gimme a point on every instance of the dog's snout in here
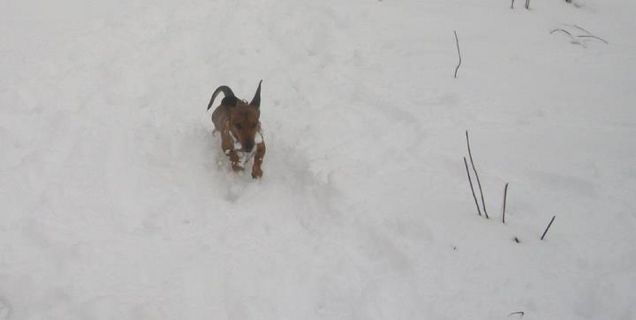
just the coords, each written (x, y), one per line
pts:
(248, 145)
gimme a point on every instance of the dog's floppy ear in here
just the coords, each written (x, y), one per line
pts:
(256, 101)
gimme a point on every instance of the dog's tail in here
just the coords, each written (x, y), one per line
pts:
(229, 99)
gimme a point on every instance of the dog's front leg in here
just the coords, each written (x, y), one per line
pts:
(227, 144)
(257, 172)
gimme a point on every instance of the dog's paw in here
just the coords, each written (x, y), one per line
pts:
(237, 168)
(257, 173)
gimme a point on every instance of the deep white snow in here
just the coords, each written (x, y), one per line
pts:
(117, 203)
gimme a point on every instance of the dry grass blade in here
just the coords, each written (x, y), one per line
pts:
(459, 54)
(472, 189)
(472, 163)
(547, 228)
(503, 213)
(593, 37)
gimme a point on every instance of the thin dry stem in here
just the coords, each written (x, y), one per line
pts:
(472, 163)
(548, 228)
(503, 214)
(459, 54)
(593, 37)
(470, 181)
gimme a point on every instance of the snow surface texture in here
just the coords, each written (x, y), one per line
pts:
(114, 206)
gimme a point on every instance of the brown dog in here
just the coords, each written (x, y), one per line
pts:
(240, 129)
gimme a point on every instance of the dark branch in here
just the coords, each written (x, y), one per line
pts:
(548, 228)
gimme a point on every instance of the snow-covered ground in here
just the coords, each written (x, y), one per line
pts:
(113, 205)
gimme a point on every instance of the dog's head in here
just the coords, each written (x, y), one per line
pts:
(244, 120)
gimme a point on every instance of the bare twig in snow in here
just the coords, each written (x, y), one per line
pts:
(593, 37)
(572, 39)
(503, 213)
(548, 228)
(459, 54)
(512, 4)
(587, 35)
(520, 313)
(527, 4)
(470, 181)
(472, 163)
(562, 30)
(580, 28)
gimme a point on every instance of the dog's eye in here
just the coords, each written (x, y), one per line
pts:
(238, 126)
(253, 126)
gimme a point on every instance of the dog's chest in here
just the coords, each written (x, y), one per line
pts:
(244, 157)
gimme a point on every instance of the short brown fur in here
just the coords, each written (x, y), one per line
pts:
(239, 121)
